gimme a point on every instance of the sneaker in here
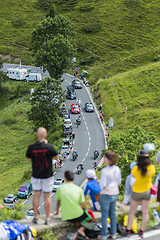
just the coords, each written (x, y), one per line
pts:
(127, 233)
(157, 226)
(102, 237)
(141, 233)
(35, 220)
(112, 236)
(47, 222)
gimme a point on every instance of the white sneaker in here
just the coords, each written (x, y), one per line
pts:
(112, 236)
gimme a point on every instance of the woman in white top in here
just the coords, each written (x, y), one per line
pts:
(109, 182)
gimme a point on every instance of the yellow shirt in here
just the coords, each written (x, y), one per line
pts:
(143, 183)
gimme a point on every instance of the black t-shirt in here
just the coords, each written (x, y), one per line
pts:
(41, 155)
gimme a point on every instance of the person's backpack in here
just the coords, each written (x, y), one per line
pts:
(92, 230)
(12, 230)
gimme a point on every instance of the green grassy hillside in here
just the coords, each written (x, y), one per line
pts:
(18, 18)
(139, 90)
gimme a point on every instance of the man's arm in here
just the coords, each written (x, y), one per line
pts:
(83, 205)
(29, 159)
(57, 207)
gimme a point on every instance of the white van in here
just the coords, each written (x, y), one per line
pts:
(34, 77)
(17, 73)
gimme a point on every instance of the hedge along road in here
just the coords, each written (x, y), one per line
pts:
(89, 136)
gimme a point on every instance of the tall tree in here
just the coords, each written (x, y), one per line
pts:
(54, 44)
(45, 103)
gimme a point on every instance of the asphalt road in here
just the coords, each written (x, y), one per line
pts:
(89, 136)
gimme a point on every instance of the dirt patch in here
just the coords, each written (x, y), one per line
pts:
(9, 59)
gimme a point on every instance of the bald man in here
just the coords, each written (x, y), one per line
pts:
(40, 154)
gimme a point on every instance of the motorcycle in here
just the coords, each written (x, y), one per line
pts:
(96, 155)
(74, 157)
(79, 170)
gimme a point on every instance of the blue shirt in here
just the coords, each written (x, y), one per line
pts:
(93, 188)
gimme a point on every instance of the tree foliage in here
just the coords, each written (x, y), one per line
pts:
(45, 102)
(53, 44)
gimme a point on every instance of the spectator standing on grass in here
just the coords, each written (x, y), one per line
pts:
(100, 107)
(40, 155)
(107, 126)
(143, 173)
(109, 182)
(125, 109)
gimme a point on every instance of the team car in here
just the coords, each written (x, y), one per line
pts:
(64, 149)
(25, 190)
(75, 108)
(10, 201)
(89, 107)
(76, 84)
(57, 183)
(67, 123)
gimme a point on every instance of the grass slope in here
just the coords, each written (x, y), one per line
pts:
(139, 90)
(18, 18)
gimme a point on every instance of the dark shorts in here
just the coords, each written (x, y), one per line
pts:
(141, 196)
(79, 219)
(158, 194)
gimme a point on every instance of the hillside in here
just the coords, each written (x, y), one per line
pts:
(118, 44)
(139, 90)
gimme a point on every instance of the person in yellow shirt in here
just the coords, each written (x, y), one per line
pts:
(143, 173)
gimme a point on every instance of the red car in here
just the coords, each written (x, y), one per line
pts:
(75, 108)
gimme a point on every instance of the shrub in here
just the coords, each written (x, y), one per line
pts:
(132, 3)
(91, 27)
(9, 121)
(18, 23)
(86, 7)
(88, 60)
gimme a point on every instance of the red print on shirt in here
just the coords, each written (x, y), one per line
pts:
(41, 158)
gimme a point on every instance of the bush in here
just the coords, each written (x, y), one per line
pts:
(87, 60)
(86, 7)
(9, 121)
(133, 3)
(18, 23)
(91, 27)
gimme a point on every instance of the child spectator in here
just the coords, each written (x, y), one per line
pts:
(128, 186)
(93, 188)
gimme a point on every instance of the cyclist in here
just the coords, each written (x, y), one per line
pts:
(78, 120)
(96, 153)
(75, 153)
(80, 166)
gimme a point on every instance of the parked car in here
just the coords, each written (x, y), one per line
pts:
(76, 84)
(89, 107)
(75, 108)
(67, 132)
(25, 190)
(57, 183)
(67, 123)
(67, 142)
(64, 149)
(10, 201)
